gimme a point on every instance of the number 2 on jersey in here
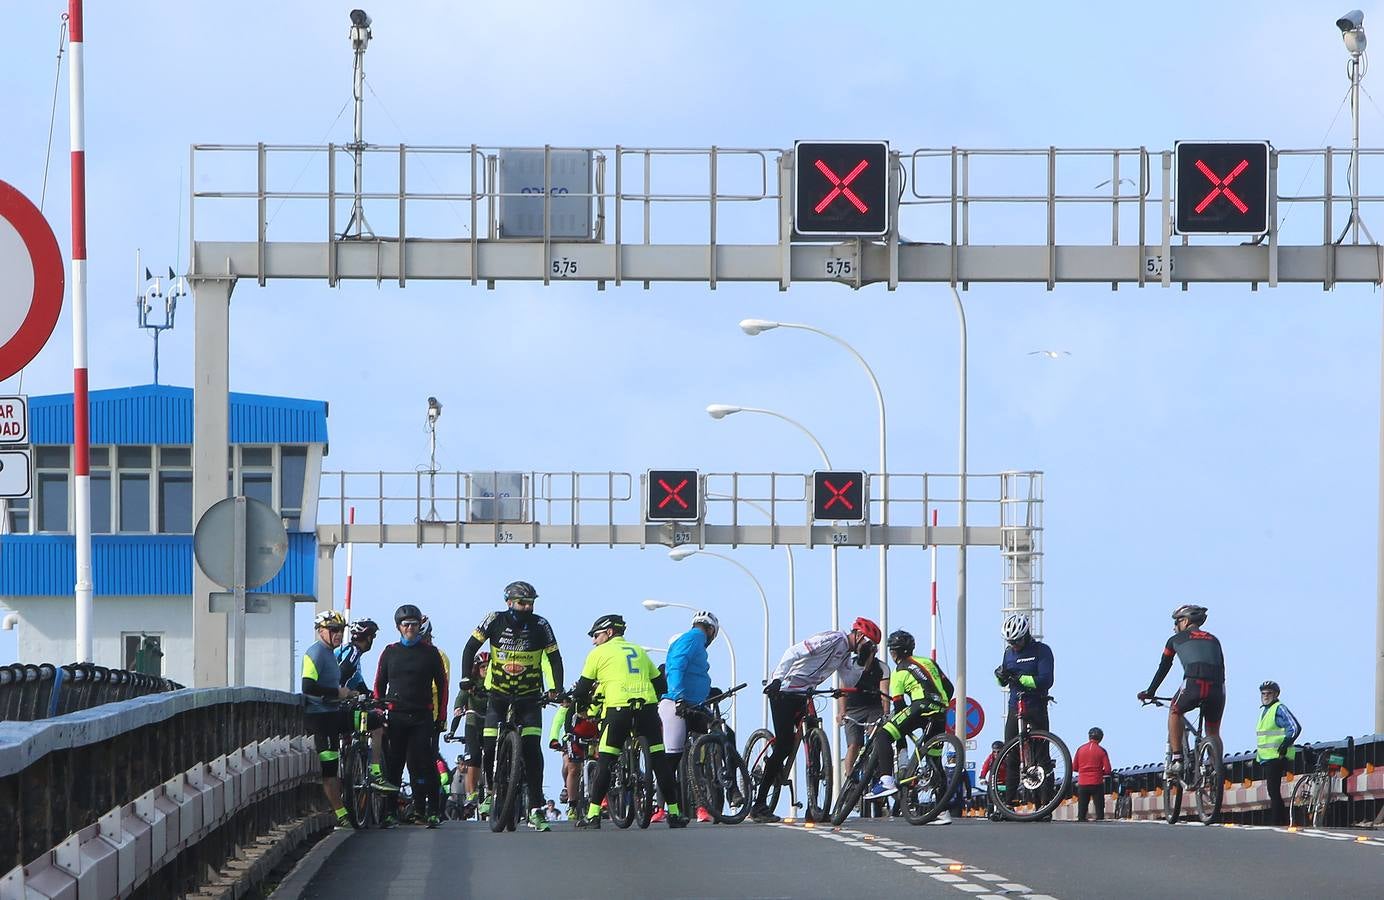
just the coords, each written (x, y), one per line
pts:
(631, 655)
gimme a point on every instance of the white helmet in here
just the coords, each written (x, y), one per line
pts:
(708, 618)
(1015, 627)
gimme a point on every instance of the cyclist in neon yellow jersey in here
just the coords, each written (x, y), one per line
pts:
(632, 685)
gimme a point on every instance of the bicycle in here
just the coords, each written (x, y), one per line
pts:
(1203, 770)
(365, 803)
(925, 785)
(509, 787)
(1030, 761)
(1124, 801)
(714, 773)
(633, 786)
(1312, 793)
(808, 734)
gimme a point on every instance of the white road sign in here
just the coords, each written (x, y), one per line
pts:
(14, 420)
(15, 479)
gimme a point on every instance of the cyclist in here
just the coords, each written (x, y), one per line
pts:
(995, 783)
(408, 671)
(444, 773)
(1277, 730)
(573, 735)
(1092, 766)
(625, 674)
(349, 656)
(920, 692)
(322, 687)
(471, 703)
(861, 706)
(1027, 672)
(1203, 673)
(519, 642)
(689, 684)
(804, 666)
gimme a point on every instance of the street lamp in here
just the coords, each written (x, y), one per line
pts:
(788, 549)
(652, 605)
(758, 326)
(434, 413)
(678, 554)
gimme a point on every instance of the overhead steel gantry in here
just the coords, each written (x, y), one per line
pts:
(957, 216)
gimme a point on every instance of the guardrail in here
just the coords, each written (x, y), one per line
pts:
(29, 691)
(149, 796)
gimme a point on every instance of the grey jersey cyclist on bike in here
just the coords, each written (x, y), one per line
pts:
(1203, 685)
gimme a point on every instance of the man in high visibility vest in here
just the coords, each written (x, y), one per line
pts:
(1277, 730)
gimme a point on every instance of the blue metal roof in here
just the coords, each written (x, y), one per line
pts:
(45, 565)
(161, 414)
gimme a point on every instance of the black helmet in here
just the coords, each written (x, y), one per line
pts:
(520, 590)
(407, 611)
(614, 622)
(902, 641)
(1270, 686)
(1096, 734)
(996, 745)
(363, 628)
(1192, 613)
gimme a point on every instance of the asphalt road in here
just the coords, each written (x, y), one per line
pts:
(1066, 861)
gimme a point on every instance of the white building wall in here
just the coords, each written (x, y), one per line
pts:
(45, 629)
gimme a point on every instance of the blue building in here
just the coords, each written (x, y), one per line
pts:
(142, 523)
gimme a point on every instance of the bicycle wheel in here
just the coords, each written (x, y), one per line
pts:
(1038, 769)
(519, 810)
(509, 764)
(1124, 807)
(622, 789)
(853, 785)
(758, 749)
(819, 776)
(1210, 779)
(927, 786)
(1302, 806)
(646, 786)
(355, 786)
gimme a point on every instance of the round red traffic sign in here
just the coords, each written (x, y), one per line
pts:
(975, 717)
(31, 281)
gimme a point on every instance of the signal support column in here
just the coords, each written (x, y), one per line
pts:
(210, 440)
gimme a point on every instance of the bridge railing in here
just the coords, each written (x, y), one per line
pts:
(151, 795)
(31, 691)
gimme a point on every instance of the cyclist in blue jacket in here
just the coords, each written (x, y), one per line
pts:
(1027, 672)
(689, 684)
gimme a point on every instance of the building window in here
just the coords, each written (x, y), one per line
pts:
(133, 476)
(100, 490)
(293, 467)
(257, 474)
(143, 653)
(51, 488)
(175, 490)
(17, 515)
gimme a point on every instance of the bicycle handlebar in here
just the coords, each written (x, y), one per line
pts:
(1156, 701)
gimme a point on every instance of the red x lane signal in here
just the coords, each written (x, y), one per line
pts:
(672, 495)
(838, 496)
(841, 188)
(1222, 187)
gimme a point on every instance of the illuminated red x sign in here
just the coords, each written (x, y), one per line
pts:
(838, 494)
(1221, 186)
(673, 494)
(841, 186)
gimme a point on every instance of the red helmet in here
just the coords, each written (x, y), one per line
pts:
(867, 628)
(480, 662)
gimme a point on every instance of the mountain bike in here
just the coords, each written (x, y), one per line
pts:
(365, 803)
(508, 784)
(1037, 769)
(714, 773)
(1124, 801)
(1312, 792)
(632, 783)
(810, 736)
(1203, 770)
(925, 785)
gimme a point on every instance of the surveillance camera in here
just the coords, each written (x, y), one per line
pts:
(361, 20)
(1351, 21)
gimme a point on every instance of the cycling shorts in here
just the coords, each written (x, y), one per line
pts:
(1198, 692)
(528, 714)
(855, 722)
(328, 730)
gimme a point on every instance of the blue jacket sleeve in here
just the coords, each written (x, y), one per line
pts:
(1044, 676)
(1284, 719)
(677, 665)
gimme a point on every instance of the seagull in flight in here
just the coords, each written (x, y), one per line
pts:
(1050, 354)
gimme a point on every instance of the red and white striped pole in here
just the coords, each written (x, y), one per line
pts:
(934, 591)
(81, 436)
(350, 558)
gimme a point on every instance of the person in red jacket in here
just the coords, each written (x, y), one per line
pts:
(1092, 765)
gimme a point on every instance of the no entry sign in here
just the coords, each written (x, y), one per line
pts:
(31, 281)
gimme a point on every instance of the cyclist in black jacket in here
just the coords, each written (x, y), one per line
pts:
(407, 673)
(1203, 670)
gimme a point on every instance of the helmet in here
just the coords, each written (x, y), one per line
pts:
(1096, 734)
(867, 628)
(1270, 686)
(902, 641)
(1016, 628)
(1191, 612)
(708, 618)
(520, 590)
(481, 661)
(612, 621)
(425, 630)
(329, 618)
(407, 611)
(995, 745)
(364, 628)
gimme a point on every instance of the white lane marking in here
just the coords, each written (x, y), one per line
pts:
(948, 877)
(989, 876)
(1016, 888)
(972, 888)
(890, 854)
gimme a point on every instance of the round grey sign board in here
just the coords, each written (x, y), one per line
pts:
(266, 543)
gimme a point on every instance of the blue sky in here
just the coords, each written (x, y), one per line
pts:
(1218, 445)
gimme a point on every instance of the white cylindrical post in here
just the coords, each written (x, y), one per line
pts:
(933, 555)
(350, 559)
(81, 435)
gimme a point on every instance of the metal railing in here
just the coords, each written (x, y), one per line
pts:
(29, 691)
